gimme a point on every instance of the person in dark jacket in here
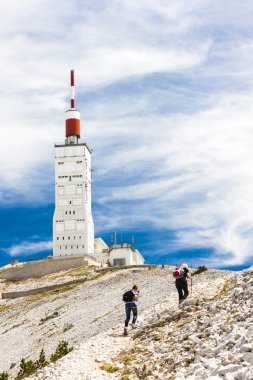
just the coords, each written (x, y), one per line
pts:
(181, 283)
(131, 306)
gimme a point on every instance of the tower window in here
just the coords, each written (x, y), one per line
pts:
(69, 212)
(80, 237)
(65, 247)
(70, 177)
(71, 246)
(57, 238)
(66, 212)
(63, 238)
(77, 246)
(74, 212)
(60, 246)
(69, 237)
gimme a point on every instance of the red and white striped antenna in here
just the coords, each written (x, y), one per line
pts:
(72, 116)
(72, 84)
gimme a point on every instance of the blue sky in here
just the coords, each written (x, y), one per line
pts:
(165, 91)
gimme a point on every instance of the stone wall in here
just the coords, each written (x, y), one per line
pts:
(36, 269)
(43, 289)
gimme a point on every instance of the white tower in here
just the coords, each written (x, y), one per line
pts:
(73, 228)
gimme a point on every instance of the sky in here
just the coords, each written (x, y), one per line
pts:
(165, 91)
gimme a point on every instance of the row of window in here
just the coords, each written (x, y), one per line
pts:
(71, 246)
(70, 177)
(62, 221)
(69, 237)
(62, 163)
(73, 212)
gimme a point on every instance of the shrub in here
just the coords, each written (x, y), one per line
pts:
(26, 368)
(42, 362)
(29, 367)
(4, 375)
(54, 315)
(61, 350)
(110, 368)
(200, 269)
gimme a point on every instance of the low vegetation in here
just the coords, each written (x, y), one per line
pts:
(110, 368)
(4, 375)
(61, 350)
(4, 308)
(200, 269)
(48, 317)
(29, 367)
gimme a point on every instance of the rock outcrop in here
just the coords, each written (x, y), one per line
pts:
(205, 339)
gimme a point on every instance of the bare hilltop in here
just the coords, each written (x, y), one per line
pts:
(208, 337)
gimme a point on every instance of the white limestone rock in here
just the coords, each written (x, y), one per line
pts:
(228, 368)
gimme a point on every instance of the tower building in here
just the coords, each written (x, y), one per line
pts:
(73, 228)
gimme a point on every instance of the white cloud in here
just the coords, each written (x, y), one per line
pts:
(28, 248)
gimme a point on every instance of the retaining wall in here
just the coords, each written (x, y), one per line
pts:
(36, 269)
(44, 289)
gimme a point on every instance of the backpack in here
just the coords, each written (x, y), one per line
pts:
(128, 296)
(178, 272)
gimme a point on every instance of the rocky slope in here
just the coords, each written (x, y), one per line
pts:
(210, 336)
(74, 313)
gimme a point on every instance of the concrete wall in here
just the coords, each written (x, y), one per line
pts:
(44, 289)
(36, 269)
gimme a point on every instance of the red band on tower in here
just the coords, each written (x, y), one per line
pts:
(72, 80)
(73, 127)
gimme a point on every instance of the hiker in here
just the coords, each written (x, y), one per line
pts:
(130, 298)
(181, 273)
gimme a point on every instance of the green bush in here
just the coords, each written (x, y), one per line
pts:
(27, 367)
(4, 375)
(61, 350)
(42, 362)
(200, 269)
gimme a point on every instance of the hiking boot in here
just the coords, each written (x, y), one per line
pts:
(125, 331)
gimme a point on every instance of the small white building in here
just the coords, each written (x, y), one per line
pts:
(101, 252)
(125, 254)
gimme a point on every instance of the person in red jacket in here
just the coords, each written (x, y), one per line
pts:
(181, 282)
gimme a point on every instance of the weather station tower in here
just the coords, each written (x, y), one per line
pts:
(73, 228)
